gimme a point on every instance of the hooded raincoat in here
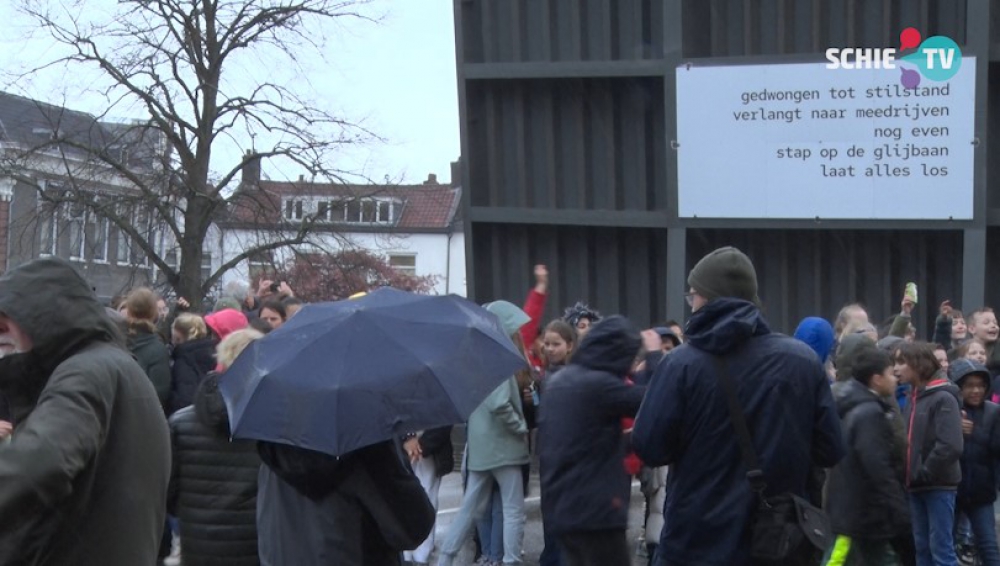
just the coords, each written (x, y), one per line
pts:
(581, 446)
(981, 449)
(684, 422)
(497, 429)
(83, 480)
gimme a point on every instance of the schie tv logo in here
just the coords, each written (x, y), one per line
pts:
(936, 58)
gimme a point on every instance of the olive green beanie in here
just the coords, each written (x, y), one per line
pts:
(726, 272)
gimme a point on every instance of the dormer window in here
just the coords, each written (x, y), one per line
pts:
(293, 209)
(368, 210)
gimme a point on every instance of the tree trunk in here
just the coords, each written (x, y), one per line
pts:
(199, 210)
(189, 273)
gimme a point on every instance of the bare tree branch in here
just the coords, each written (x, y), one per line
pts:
(170, 57)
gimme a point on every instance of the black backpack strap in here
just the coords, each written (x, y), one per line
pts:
(754, 474)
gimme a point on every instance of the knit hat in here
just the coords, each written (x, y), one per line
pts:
(226, 321)
(726, 272)
(226, 303)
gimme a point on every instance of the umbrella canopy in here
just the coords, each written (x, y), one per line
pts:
(343, 375)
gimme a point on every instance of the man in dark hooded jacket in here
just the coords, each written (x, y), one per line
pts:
(684, 421)
(585, 488)
(83, 480)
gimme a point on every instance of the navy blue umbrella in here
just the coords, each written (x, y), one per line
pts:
(343, 375)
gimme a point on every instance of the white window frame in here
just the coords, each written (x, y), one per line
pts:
(75, 219)
(378, 211)
(172, 256)
(406, 269)
(48, 222)
(338, 211)
(142, 221)
(294, 209)
(48, 225)
(124, 243)
(322, 213)
(206, 270)
(102, 230)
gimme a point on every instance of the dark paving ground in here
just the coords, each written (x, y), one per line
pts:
(450, 499)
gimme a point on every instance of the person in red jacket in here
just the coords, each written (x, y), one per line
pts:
(534, 306)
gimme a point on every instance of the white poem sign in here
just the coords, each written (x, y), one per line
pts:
(804, 141)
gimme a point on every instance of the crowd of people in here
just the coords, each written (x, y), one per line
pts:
(117, 447)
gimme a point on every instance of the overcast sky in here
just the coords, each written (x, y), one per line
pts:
(397, 75)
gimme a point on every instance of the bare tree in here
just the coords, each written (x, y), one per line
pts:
(171, 58)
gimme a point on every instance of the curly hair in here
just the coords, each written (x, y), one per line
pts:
(578, 311)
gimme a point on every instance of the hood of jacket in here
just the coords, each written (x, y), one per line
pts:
(818, 334)
(962, 368)
(510, 316)
(848, 351)
(850, 394)
(723, 324)
(56, 307)
(611, 345)
(209, 406)
(226, 321)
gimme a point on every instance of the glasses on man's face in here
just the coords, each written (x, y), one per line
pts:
(689, 297)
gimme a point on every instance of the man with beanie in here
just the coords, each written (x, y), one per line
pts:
(685, 421)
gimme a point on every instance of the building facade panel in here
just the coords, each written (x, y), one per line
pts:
(735, 28)
(567, 144)
(615, 270)
(815, 272)
(561, 30)
(564, 126)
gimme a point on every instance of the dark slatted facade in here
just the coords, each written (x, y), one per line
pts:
(568, 112)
